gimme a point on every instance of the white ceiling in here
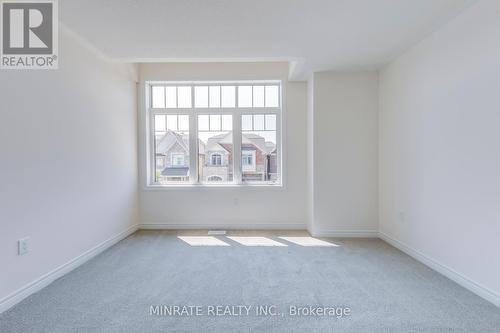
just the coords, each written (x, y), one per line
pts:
(313, 35)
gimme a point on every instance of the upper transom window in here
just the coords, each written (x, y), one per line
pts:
(258, 95)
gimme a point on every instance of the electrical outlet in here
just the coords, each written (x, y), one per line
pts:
(23, 246)
(236, 201)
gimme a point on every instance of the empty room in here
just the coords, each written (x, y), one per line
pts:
(249, 166)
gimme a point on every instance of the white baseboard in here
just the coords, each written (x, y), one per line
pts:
(254, 226)
(261, 226)
(453, 275)
(43, 281)
(344, 233)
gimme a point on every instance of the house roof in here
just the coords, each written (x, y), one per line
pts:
(170, 138)
(218, 142)
(225, 140)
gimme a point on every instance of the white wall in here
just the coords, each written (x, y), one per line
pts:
(68, 161)
(344, 173)
(215, 207)
(439, 147)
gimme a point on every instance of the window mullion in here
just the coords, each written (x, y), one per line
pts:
(279, 137)
(152, 154)
(237, 148)
(193, 143)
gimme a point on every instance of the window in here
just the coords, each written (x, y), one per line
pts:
(207, 132)
(215, 145)
(171, 145)
(177, 159)
(260, 147)
(184, 97)
(248, 160)
(216, 159)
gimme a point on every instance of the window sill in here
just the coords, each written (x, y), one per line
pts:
(248, 186)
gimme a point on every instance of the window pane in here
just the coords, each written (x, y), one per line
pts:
(215, 97)
(172, 122)
(215, 149)
(258, 122)
(215, 122)
(272, 96)
(228, 96)
(171, 95)
(201, 97)
(183, 122)
(160, 123)
(184, 97)
(203, 122)
(246, 122)
(258, 96)
(259, 152)
(227, 122)
(270, 122)
(171, 151)
(158, 97)
(245, 96)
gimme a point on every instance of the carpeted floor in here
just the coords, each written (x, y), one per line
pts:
(384, 289)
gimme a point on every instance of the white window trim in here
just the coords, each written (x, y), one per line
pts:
(193, 112)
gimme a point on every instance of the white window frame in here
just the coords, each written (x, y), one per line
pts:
(193, 113)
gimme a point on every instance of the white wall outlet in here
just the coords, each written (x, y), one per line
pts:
(23, 246)
(236, 201)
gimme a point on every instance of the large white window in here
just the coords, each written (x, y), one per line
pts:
(215, 132)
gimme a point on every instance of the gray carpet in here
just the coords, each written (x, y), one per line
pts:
(386, 290)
